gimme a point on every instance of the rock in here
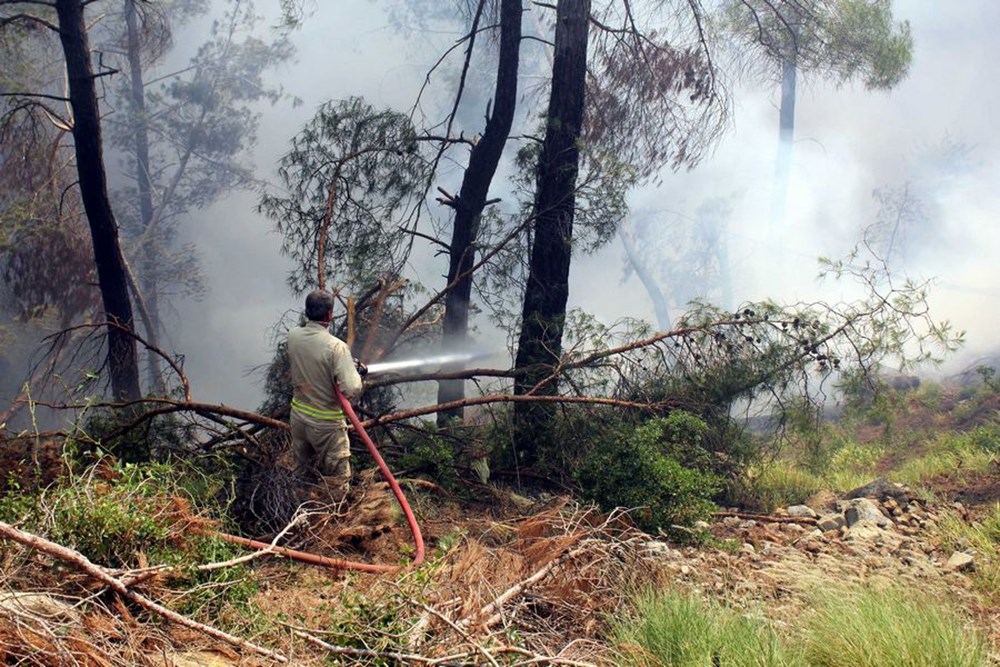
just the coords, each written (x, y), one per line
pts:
(701, 525)
(879, 489)
(801, 512)
(863, 509)
(657, 549)
(191, 659)
(831, 522)
(731, 521)
(960, 562)
(685, 570)
(38, 605)
(749, 523)
(747, 548)
(865, 531)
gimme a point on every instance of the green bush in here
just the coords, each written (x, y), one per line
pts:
(110, 515)
(129, 516)
(635, 470)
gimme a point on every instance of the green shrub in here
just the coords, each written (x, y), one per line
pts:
(634, 470)
(110, 521)
(864, 627)
(128, 516)
(678, 630)
(429, 451)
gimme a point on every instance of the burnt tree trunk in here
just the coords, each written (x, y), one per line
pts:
(471, 200)
(122, 361)
(543, 314)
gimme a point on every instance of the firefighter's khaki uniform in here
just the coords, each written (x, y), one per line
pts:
(319, 433)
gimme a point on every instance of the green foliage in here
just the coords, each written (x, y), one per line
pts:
(864, 627)
(129, 516)
(353, 173)
(843, 40)
(673, 629)
(778, 484)
(988, 375)
(111, 514)
(429, 452)
(636, 470)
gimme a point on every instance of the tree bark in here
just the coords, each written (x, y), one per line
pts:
(660, 308)
(122, 360)
(786, 136)
(471, 200)
(148, 292)
(544, 310)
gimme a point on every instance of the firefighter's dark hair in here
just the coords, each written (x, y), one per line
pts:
(319, 305)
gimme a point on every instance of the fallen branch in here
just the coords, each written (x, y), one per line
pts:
(83, 563)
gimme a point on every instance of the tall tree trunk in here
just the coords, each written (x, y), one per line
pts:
(146, 283)
(122, 360)
(543, 314)
(471, 200)
(786, 136)
(660, 308)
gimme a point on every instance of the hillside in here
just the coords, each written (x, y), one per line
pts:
(523, 578)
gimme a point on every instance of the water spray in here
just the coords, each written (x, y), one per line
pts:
(417, 363)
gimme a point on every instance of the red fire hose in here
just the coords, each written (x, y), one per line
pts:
(418, 539)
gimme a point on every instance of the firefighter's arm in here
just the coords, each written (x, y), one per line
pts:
(346, 372)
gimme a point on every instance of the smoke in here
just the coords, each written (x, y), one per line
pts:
(849, 142)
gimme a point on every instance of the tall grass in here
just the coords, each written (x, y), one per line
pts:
(983, 537)
(678, 630)
(948, 454)
(849, 627)
(778, 485)
(863, 627)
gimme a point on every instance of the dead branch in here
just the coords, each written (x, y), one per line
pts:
(453, 660)
(404, 658)
(457, 628)
(387, 288)
(101, 574)
(493, 607)
(510, 398)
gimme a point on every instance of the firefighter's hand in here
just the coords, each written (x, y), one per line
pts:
(362, 369)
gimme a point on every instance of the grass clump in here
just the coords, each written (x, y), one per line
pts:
(850, 627)
(674, 629)
(865, 627)
(780, 484)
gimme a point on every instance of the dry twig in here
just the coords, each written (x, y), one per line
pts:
(76, 558)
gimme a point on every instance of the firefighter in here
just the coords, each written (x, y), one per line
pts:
(317, 360)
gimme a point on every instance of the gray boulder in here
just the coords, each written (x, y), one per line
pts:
(863, 509)
(801, 512)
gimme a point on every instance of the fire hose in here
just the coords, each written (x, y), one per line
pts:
(338, 563)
